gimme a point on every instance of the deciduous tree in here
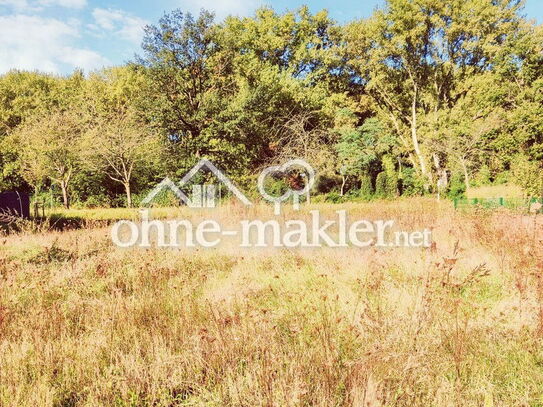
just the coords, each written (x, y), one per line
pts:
(49, 147)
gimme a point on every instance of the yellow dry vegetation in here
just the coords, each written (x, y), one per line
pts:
(83, 323)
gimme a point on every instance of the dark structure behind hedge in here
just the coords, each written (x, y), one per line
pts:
(15, 203)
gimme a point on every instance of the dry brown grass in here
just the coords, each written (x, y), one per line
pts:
(85, 324)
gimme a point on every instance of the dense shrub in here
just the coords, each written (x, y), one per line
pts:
(391, 180)
(457, 187)
(334, 197)
(502, 178)
(483, 177)
(366, 188)
(97, 201)
(381, 185)
(528, 175)
(411, 184)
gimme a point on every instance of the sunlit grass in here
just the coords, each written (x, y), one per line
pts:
(495, 191)
(83, 323)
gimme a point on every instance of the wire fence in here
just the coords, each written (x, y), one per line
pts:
(533, 205)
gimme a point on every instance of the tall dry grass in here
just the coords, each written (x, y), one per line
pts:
(460, 324)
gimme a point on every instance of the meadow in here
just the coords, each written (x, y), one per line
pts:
(385, 110)
(83, 323)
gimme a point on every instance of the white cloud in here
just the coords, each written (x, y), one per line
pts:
(64, 3)
(46, 44)
(16, 4)
(126, 26)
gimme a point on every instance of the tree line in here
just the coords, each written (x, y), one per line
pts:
(423, 95)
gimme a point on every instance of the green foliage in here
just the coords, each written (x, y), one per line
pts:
(416, 58)
(381, 186)
(457, 187)
(276, 186)
(96, 201)
(366, 187)
(391, 186)
(411, 183)
(49, 148)
(502, 178)
(48, 198)
(22, 96)
(483, 176)
(528, 175)
(360, 149)
(334, 197)
(417, 88)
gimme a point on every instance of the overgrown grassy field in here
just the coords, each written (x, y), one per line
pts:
(83, 323)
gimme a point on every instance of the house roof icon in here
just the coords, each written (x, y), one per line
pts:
(167, 183)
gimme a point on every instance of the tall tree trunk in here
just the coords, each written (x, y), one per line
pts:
(466, 173)
(415, 138)
(65, 197)
(128, 194)
(442, 178)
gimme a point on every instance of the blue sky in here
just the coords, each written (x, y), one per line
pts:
(61, 35)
